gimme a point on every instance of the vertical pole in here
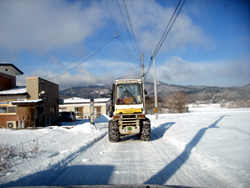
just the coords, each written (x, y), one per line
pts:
(143, 81)
(71, 115)
(92, 111)
(155, 88)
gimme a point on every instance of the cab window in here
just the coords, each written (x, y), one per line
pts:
(128, 94)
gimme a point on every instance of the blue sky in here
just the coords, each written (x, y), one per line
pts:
(209, 44)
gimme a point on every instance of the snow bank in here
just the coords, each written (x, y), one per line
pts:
(41, 149)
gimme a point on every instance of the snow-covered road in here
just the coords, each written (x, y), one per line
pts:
(204, 148)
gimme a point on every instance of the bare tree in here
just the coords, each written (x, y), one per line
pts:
(30, 116)
(177, 101)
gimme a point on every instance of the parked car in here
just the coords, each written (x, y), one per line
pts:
(67, 116)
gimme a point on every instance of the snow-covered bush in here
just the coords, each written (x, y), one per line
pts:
(6, 153)
(236, 104)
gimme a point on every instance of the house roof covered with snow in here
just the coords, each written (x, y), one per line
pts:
(27, 101)
(15, 91)
(77, 100)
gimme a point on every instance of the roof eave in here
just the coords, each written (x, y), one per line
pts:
(11, 94)
(28, 102)
(10, 64)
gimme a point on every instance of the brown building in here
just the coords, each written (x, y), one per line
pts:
(35, 105)
(8, 74)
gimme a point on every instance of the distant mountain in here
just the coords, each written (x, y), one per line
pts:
(195, 93)
(92, 91)
(220, 94)
(165, 89)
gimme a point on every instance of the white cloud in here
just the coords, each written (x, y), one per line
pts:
(219, 73)
(100, 72)
(51, 25)
(149, 21)
(56, 26)
(47, 25)
(174, 71)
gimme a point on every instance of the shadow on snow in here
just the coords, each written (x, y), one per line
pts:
(159, 131)
(61, 174)
(101, 119)
(71, 175)
(100, 174)
(170, 169)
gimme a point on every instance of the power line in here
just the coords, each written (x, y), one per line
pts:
(112, 18)
(127, 51)
(149, 66)
(131, 27)
(94, 53)
(126, 26)
(123, 44)
(166, 31)
(75, 60)
(169, 26)
(133, 33)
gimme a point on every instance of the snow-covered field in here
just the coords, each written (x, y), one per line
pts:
(208, 147)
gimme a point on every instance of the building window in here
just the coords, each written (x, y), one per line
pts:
(8, 109)
(97, 111)
(12, 109)
(4, 102)
(79, 112)
(3, 109)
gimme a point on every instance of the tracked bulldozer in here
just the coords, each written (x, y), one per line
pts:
(128, 111)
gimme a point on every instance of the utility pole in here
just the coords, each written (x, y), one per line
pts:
(143, 80)
(91, 110)
(155, 88)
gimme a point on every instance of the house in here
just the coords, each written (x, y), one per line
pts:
(81, 106)
(8, 73)
(35, 105)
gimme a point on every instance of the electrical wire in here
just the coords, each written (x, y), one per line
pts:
(87, 58)
(75, 60)
(131, 27)
(127, 30)
(133, 34)
(165, 33)
(123, 44)
(149, 66)
(112, 17)
(169, 26)
(127, 51)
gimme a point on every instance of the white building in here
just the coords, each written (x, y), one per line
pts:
(81, 106)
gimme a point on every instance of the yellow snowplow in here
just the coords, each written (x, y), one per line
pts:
(127, 110)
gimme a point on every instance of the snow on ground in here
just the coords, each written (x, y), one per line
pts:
(41, 149)
(216, 139)
(207, 147)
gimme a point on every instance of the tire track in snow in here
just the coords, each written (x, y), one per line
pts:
(65, 162)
